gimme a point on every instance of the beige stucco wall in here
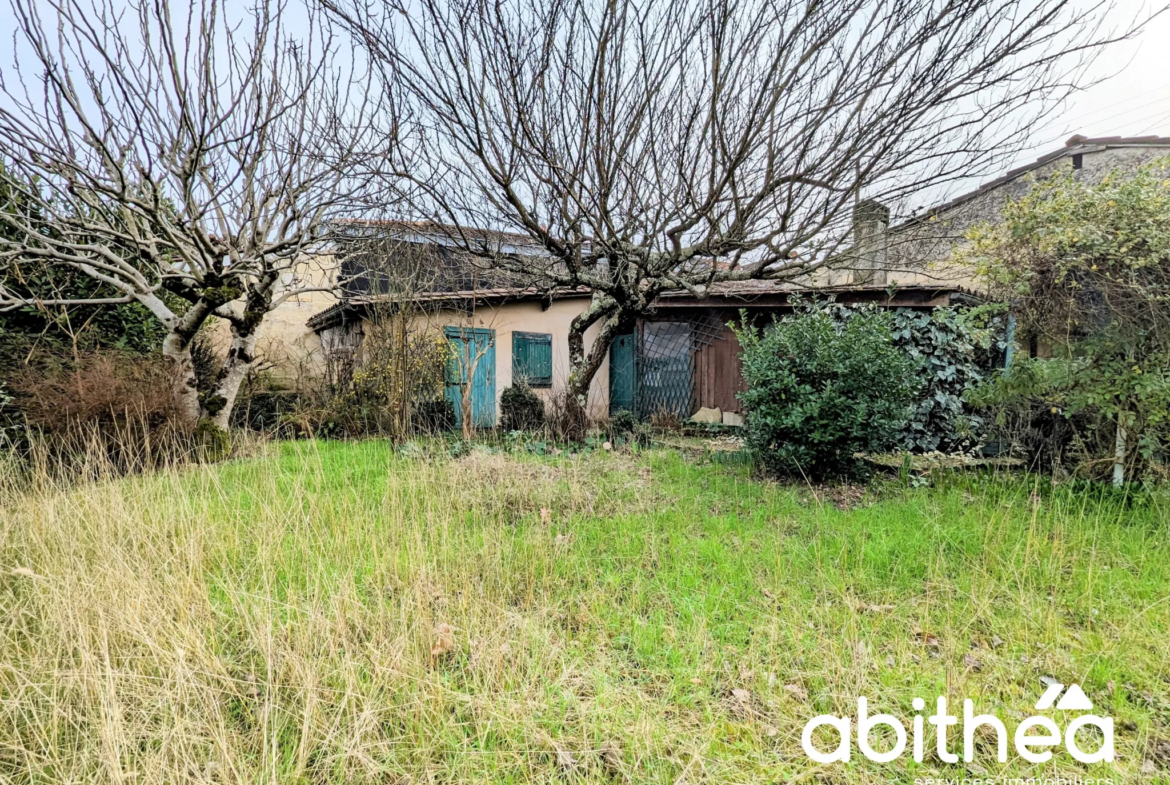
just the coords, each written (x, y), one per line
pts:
(533, 318)
(285, 346)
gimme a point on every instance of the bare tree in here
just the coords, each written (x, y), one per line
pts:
(187, 156)
(649, 145)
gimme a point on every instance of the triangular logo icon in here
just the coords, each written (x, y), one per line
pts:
(1075, 700)
(1050, 695)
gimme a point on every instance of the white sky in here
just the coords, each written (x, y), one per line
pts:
(1133, 101)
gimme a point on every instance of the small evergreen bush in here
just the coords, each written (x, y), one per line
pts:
(521, 409)
(821, 390)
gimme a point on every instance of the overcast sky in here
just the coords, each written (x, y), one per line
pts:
(1134, 101)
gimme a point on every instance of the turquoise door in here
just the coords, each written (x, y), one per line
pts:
(621, 374)
(473, 354)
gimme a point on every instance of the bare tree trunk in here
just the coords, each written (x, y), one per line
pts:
(177, 346)
(1119, 448)
(466, 407)
(583, 367)
(186, 390)
(235, 369)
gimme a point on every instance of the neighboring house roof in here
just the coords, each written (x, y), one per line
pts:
(431, 231)
(357, 307)
(382, 257)
(1075, 144)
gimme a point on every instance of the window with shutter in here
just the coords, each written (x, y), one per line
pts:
(532, 359)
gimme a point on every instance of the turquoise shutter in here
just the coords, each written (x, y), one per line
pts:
(532, 358)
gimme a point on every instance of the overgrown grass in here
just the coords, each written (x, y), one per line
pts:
(342, 613)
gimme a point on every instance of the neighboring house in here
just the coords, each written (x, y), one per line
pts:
(919, 250)
(683, 357)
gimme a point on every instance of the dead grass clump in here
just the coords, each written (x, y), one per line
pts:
(105, 388)
(107, 410)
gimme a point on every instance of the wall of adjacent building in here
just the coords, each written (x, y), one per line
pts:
(921, 251)
(286, 347)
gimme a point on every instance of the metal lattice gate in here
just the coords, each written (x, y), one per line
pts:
(665, 364)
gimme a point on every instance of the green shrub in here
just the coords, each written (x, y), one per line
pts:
(521, 409)
(1085, 267)
(821, 390)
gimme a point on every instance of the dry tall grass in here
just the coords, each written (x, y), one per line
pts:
(339, 613)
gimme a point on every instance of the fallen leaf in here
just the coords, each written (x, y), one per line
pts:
(611, 756)
(1149, 768)
(565, 760)
(545, 516)
(916, 659)
(1048, 681)
(971, 662)
(890, 661)
(796, 691)
(768, 594)
(444, 640)
(743, 702)
(770, 732)
(996, 642)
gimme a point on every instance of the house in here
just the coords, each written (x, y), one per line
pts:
(683, 357)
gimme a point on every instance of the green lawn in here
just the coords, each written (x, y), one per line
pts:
(343, 613)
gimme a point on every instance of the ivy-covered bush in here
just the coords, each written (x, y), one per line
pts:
(954, 351)
(520, 409)
(822, 388)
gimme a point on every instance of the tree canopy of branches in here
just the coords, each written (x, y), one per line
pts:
(1086, 270)
(184, 156)
(647, 146)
